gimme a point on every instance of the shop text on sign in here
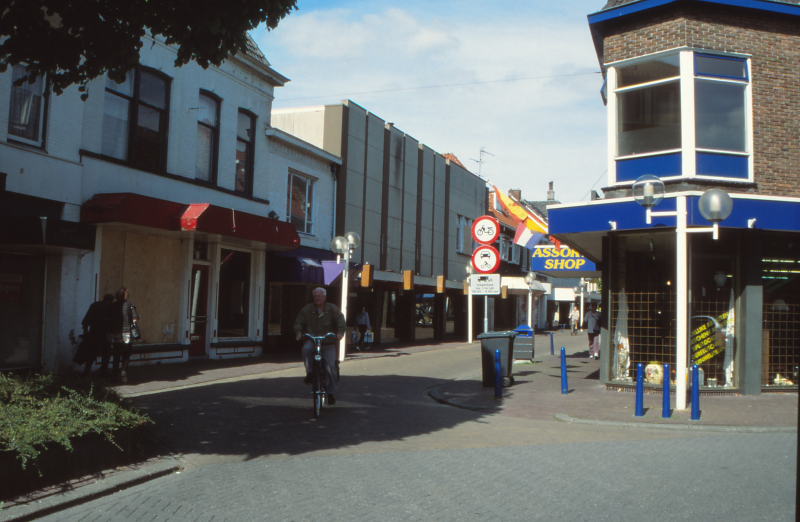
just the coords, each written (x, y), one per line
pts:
(565, 258)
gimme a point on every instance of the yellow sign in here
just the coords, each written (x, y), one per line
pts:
(563, 258)
(708, 340)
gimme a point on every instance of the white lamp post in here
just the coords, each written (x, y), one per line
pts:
(580, 288)
(715, 205)
(343, 247)
(468, 269)
(529, 279)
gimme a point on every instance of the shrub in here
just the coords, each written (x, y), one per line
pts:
(43, 409)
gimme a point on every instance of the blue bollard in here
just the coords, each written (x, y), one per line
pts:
(564, 388)
(498, 377)
(639, 391)
(695, 393)
(665, 402)
(551, 344)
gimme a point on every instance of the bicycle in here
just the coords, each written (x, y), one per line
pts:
(318, 394)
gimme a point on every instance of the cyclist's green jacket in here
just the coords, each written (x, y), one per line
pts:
(310, 321)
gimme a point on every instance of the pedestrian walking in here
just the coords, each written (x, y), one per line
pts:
(362, 323)
(556, 320)
(574, 320)
(122, 316)
(593, 321)
(95, 335)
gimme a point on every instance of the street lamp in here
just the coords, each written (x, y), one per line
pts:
(469, 270)
(343, 247)
(529, 280)
(580, 288)
(715, 206)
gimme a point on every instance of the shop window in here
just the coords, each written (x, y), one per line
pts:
(207, 137)
(780, 277)
(200, 252)
(26, 111)
(135, 119)
(651, 112)
(245, 130)
(21, 291)
(300, 204)
(234, 294)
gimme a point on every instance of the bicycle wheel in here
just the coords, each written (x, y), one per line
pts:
(318, 393)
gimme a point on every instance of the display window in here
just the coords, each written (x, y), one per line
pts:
(233, 302)
(21, 313)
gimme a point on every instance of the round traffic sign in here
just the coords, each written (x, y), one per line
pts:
(485, 230)
(485, 259)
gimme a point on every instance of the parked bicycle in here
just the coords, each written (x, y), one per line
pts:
(318, 393)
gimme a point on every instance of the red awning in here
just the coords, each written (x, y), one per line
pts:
(134, 209)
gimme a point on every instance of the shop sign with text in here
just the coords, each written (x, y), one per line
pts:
(549, 258)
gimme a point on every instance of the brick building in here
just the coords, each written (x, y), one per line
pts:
(701, 95)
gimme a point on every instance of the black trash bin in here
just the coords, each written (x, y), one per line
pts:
(491, 341)
(524, 343)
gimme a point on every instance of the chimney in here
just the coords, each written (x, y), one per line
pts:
(515, 193)
(551, 195)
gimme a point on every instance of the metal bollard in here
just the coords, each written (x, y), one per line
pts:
(665, 402)
(551, 344)
(498, 377)
(639, 391)
(695, 393)
(564, 387)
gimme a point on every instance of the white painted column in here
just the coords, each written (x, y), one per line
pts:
(530, 308)
(345, 291)
(580, 325)
(469, 310)
(682, 288)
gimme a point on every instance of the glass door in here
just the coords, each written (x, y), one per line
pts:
(198, 311)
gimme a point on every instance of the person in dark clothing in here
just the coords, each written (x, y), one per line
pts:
(95, 332)
(121, 315)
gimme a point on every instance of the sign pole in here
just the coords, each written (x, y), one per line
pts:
(469, 312)
(485, 313)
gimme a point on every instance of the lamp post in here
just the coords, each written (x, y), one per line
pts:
(580, 288)
(530, 279)
(469, 270)
(343, 247)
(715, 205)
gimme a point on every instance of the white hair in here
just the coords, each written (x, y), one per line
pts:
(324, 292)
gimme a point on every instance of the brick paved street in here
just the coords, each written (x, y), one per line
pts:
(387, 451)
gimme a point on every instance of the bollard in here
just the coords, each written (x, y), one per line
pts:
(639, 391)
(665, 402)
(695, 393)
(564, 387)
(551, 344)
(498, 377)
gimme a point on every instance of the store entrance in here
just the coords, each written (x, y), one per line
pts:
(21, 314)
(198, 308)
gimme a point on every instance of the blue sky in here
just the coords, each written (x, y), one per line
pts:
(527, 72)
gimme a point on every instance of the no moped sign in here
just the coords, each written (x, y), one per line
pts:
(485, 259)
(485, 230)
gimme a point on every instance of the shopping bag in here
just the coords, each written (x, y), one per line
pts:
(354, 337)
(368, 337)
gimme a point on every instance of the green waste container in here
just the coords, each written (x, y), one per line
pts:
(491, 341)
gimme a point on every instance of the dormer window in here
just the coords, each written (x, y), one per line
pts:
(680, 114)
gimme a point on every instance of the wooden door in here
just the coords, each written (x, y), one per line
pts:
(198, 311)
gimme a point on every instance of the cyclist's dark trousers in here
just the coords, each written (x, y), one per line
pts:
(328, 356)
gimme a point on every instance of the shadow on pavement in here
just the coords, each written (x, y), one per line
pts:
(263, 417)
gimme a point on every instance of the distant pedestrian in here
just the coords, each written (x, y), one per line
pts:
(95, 335)
(574, 320)
(122, 315)
(555, 319)
(362, 323)
(593, 321)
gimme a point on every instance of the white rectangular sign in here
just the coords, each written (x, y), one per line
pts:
(485, 284)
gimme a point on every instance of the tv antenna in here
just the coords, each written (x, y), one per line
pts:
(480, 161)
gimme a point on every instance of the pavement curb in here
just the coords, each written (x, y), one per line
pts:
(560, 417)
(61, 501)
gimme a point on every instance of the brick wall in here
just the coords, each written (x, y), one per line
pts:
(773, 42)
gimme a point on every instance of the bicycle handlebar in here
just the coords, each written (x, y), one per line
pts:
(315, 339)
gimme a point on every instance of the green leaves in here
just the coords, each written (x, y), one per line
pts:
(42, 410)
(74, 41)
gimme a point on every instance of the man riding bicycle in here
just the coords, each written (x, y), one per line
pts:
(318, 319)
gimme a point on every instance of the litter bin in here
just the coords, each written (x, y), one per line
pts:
(491, 341)
(524, 343)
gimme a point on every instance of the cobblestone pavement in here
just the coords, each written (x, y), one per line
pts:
(251, 450)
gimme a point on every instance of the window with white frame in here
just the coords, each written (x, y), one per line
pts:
(26, 111)
(135, 118)
(233, 302)
(300, 203)
(683, 113)
(207, 137)
(245, 151)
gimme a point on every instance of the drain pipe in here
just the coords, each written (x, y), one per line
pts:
(334, 172)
